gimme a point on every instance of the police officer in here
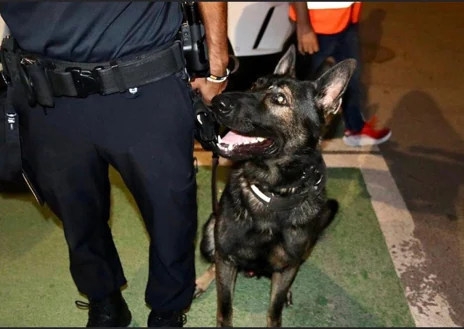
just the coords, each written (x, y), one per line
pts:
(109, 88)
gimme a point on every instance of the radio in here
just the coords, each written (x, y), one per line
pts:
(192, 34)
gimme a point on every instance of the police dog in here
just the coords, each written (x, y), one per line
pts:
(274, 205)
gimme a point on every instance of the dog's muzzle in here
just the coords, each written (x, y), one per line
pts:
(222, 103)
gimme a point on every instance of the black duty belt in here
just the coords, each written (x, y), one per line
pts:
(47, 78)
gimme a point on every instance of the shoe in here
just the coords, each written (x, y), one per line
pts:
(367, 136)
(111, 311)
(167, 319)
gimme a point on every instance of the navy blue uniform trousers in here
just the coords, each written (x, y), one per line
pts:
(148, 138)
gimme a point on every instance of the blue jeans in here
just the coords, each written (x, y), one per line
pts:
(342, 46)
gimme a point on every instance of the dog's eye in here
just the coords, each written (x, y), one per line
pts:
(279, 99)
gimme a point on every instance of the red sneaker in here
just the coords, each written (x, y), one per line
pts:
(367, 136)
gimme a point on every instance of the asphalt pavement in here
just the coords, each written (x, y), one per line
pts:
(414, 76)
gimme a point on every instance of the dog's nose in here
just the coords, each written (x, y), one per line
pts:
(222, 103)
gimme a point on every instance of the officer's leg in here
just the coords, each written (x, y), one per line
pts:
(58, 146)
(348, 47)
(152, 147)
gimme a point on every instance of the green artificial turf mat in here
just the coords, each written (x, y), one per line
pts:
(348, 281)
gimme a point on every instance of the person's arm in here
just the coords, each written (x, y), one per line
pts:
(307, 38)
(302, 15)
(214, 17)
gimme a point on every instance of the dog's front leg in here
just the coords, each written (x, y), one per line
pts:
(226, 275)
(280, 285)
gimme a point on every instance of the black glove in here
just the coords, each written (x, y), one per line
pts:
(206, 127)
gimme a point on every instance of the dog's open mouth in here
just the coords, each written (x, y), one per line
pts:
(234, 143)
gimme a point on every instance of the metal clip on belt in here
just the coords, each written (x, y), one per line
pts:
(61, 78)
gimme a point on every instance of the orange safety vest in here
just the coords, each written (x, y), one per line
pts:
(329, 17)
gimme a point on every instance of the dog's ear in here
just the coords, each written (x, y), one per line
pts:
(286, 65)
(331, 86)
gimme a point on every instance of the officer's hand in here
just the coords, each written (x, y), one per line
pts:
(307, 40)
(208, 89)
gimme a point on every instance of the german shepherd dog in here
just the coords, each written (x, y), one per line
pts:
(274, 205)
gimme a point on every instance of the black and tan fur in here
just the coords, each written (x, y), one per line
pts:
(246, 236)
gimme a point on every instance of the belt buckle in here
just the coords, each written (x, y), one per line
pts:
(86, 82)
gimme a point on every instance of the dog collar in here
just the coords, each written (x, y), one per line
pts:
(278, 202)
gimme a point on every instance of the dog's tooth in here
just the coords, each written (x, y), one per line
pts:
(219, 139)
(260, 139)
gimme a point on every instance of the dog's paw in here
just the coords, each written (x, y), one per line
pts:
(203, 282)
(198, 292)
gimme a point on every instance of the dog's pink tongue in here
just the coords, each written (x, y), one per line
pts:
(234, 138)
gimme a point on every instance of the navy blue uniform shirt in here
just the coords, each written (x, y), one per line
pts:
(91, 31)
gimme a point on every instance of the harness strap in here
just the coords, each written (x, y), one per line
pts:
(317, 179)
(280, 203)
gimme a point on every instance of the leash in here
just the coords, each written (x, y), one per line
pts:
(214, 199)
(206, 133)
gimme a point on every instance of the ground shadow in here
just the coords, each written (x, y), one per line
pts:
(426, 159)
